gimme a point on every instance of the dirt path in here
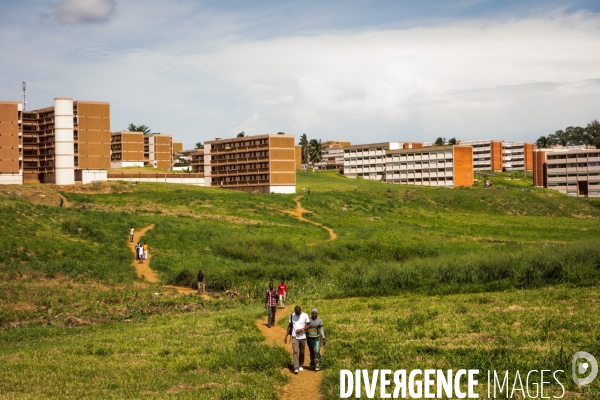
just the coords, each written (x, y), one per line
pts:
(144, 271)
(298, 214)
(306, 384)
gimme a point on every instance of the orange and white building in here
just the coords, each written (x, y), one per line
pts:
(333, 155)
(65, 143)
(263, 163)
(573, 170)
(449, 166)
(134, 149)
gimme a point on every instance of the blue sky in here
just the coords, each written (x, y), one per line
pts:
(338, 70)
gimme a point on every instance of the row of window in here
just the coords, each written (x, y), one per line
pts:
(243, 155)
(573, 165)
(572, 156)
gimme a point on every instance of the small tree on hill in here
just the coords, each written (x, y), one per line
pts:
(241, 134)
(199, 145)
(452, 141)
(440, 141)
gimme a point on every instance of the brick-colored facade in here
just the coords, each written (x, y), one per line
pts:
(264, 163)
(463, 165)
(67, 142)
(11, 142)
(131, 149)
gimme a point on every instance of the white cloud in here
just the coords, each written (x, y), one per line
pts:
(464, 78)
(73, 12)
(187, 73)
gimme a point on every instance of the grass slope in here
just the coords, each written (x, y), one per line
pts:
(459, 269)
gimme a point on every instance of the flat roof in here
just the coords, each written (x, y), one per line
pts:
(91, 102)
(368, 145)
(427, 149)
(241, 139)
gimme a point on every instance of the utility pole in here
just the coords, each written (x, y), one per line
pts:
(24, 87)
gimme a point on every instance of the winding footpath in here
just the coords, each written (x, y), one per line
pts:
(307, 383)
(298, 214)
(144, 271)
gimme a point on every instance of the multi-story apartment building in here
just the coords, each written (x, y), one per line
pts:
(134, 149)
(67, 142)
(127, 149)
(177, 147)
(497, 155)
(264, 163)
(487, 154)
(158, 150)
(572, 171)
(333, 155)
(430, 166)
(517, 156)
(368, 160)
(11, 142)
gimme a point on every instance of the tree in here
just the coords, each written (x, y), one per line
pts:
(199, 145)
(315, 150)
(592, 133)
(241, 134)
(440, 141)
(452, 141)
(542, 143)
(303, 143)
(139, 128)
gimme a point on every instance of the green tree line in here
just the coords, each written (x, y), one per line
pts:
(573, 136)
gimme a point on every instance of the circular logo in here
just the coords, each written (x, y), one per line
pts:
(584, 363)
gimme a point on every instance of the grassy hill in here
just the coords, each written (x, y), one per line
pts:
(433, 268)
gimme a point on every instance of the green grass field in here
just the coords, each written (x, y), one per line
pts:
(501, 278)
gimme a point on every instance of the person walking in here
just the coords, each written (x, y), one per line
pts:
(282, 289)
(140, 250)
(137, 252)
(131, 234)
(271, 305)
(145, 251)
(309, 190)
(201, 286)
(314, 335)
(299, 324)
(60, 201)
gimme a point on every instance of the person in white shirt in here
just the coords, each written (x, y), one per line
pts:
(299, 323)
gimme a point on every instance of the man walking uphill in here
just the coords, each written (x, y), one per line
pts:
(314, 335)
(271, 304)
(282, 289)
(299, 322)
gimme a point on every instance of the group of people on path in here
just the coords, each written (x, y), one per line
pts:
(141, 252)
(301, 328)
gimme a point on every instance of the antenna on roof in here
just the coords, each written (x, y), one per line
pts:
(24, 87)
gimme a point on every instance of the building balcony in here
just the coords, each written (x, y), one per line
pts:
(238, 149)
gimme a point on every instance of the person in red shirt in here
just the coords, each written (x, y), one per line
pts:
(282, 291)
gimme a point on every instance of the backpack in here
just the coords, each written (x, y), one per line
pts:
(290, 326)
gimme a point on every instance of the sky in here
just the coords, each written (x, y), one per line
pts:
(358, 70)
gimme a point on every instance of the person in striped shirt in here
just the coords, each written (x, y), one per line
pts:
(271, 305)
